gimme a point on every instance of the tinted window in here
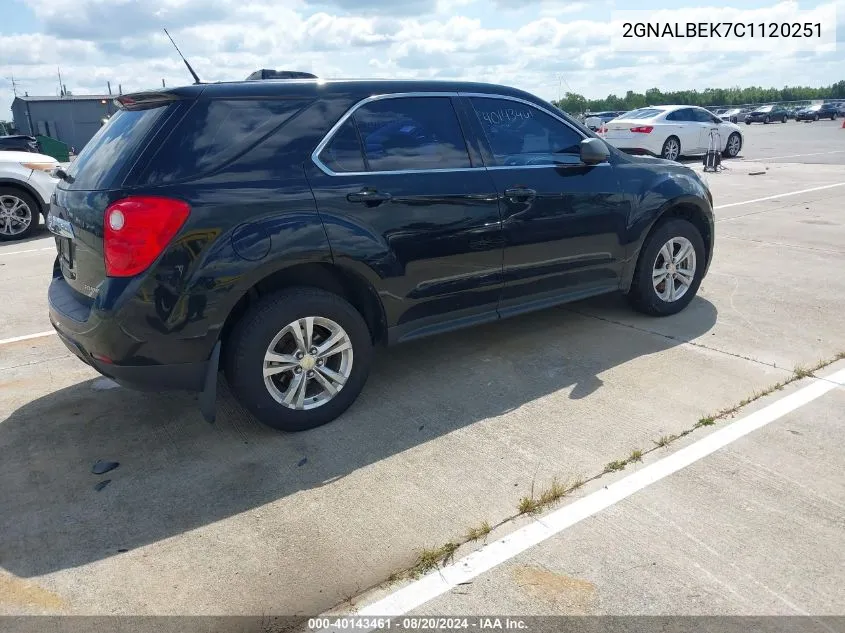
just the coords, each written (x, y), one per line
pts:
(521, 134)
(343, 153)
(214, 132)
(107, 157)
(411, 133)
(702, 116)
(684, 114)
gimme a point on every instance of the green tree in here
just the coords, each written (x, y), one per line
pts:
(735, 96)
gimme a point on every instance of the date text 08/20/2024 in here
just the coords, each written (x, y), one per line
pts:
(352, 623)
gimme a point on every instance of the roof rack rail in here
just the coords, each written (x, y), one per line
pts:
(267, 73)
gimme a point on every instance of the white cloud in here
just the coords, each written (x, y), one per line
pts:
(542, 46)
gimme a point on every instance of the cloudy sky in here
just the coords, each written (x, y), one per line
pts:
(540, 45)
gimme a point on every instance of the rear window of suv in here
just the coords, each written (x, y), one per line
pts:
(213, 133)
(105, 159)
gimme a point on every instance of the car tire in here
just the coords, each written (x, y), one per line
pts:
(747, 122)
(733, 152)
(783, 120)
(12, 197)
(258, 334)
(766, 121)
(671, 146)
(816, 118)
(644, 294)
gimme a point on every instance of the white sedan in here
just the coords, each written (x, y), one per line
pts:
(26, 186)
(671, 132)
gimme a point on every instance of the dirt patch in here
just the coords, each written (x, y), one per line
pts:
(567, 595)
(15, 592)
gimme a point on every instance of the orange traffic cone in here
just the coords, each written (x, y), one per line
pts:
(843, 124)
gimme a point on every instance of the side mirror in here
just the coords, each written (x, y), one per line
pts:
(594, 151)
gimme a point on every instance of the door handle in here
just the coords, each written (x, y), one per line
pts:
(369, 195)
(520, 194)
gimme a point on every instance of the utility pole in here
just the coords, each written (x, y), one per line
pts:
(61, 89)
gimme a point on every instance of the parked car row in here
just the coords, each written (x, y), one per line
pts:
(594, 120)
(775, 113)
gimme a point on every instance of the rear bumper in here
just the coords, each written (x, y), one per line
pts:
(186, 376)
(100, 342)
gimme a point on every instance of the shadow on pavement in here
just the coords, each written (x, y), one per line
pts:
(178, 473)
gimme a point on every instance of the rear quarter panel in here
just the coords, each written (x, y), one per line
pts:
(253, 217)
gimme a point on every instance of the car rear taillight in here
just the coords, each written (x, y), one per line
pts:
(136, 231)
(643, 129)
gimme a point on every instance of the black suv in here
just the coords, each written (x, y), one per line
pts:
(283, 228)
(767, 114)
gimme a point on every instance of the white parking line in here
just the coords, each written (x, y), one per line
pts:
(29, 250)
(438, 582)
(778, 195)
(26, 337)
(836, 151)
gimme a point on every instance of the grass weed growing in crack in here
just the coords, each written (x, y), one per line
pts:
(429, 559)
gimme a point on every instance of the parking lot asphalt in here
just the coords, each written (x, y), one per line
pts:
(805, 142)
(452, 432)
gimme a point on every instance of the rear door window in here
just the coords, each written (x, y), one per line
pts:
(107, 157)
(214, 132)
(684, 114)
(344, 153)
(411, 133)
(703, 116)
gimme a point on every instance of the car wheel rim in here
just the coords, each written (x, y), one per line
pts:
(671, 149)
(15, 215)
(674, 269)
(307, 363)
(733, 145)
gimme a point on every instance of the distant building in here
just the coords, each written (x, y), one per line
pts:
(72, 119)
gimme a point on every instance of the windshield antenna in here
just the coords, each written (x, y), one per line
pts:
(190, 70)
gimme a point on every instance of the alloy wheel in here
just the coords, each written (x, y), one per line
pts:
(674, 269)
(733, 145)
(15, 215)
(671, 149)
(307, 363)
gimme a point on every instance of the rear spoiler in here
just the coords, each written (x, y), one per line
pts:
(145, 100)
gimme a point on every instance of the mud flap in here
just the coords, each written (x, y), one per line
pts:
(208, 396)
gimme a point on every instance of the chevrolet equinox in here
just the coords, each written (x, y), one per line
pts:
(279, 230)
